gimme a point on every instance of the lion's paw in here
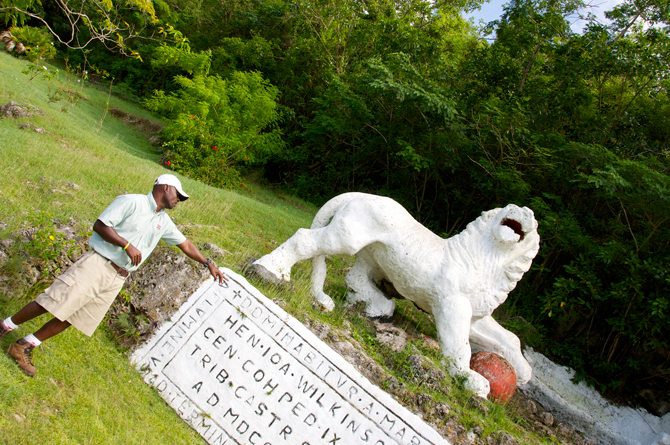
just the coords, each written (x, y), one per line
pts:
(268, 272)
(326, 303)
(264, 274)
(477, 384)
(523, 373)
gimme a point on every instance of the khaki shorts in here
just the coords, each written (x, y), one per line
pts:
(83, 294)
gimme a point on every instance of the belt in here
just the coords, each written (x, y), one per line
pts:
(123, 272)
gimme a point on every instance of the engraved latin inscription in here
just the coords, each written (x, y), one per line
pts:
(242, 371)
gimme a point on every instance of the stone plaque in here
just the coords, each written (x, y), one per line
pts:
(240, 370)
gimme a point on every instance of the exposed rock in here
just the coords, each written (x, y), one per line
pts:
(154, 292)
(28, 234)
(5, 37)
(146, 126)
(395, 386)
(364, 364)
(565, 430)
(426, 374)
(539, 427)
(279, 302)
(7, 243)
(452, 430)
(441, 410)
(478, 403)
(73, 186)
(431, 343)
(69, 232)
(13, 109)
(3, 257)
(32, 274)
(321, 330)
(163, 283)
(501, 438)
(39, 130)
(416, 363)
(423, 399)
(3, 225)
(391, 336)
(215, 250)
(547, 419)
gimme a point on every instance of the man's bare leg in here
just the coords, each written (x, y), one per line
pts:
(29, 311)
(48, 330)
(51, 328)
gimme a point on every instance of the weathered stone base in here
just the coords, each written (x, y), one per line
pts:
(239, 369)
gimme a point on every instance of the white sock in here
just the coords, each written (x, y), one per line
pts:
(30, 338)
(9, 324)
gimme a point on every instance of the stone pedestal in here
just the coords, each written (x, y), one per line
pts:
(240, 370)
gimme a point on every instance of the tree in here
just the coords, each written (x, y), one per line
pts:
(113, 24)
(215, 123)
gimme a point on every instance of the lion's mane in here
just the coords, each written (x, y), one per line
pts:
(498, 268)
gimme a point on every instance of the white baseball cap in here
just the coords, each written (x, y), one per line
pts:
(174, 182)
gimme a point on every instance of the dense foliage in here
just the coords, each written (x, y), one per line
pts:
(404, 98)
(215, 123)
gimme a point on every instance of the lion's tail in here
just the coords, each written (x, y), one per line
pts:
(326, 213)
(321, 220)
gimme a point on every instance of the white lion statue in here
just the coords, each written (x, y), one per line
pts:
(460, 280)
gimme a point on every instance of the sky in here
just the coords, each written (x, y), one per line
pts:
(492, 11)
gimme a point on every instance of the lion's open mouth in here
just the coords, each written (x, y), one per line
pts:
(514, 225)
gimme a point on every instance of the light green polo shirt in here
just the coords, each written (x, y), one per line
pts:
(134, 217)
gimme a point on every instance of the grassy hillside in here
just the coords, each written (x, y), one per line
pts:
(85, 391)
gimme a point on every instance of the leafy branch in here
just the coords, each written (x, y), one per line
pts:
(97, 21)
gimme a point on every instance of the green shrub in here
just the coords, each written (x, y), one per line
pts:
(46, 244)
(38, 42)
(216, 124)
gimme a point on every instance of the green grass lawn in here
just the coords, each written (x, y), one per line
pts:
(85, 391)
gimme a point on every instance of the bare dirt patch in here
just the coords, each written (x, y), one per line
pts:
(146, 126)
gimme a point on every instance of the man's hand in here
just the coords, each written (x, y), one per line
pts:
(109, 234)
(216, 273)
(134, 254)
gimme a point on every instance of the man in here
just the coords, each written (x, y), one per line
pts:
(124, 236)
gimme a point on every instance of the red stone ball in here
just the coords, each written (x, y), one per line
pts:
(498, 372)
